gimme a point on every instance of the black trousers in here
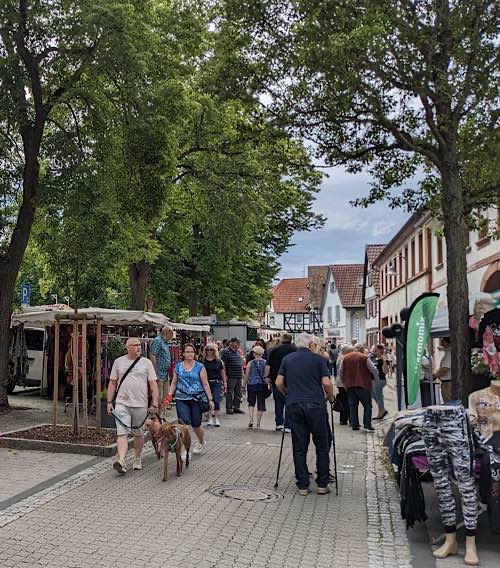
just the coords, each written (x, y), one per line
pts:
(309, 419)
(344, 415)
(357, 395)
(233, 394)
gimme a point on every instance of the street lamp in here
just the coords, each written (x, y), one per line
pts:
(391, 271)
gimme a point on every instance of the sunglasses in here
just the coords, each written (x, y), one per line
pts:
(210, 349)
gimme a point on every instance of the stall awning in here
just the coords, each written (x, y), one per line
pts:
(189, 327)
(440, 326)
(107, 316)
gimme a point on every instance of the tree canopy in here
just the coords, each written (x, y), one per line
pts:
(395, 87)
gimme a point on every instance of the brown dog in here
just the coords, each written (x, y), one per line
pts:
(153, 425)
(175, 436)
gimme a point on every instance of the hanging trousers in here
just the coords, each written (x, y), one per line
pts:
(450, 449)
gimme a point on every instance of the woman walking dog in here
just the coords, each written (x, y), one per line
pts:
(190, 385)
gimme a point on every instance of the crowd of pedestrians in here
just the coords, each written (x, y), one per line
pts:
(300, 377)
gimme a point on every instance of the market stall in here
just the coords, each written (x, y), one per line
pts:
(80, 349)
(456, 445)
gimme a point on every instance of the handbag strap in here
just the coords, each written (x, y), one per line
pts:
(125, 376)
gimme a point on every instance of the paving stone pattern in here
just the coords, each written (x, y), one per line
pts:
(96, 518)
(32, 468)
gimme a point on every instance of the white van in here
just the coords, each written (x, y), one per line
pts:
(35, 340)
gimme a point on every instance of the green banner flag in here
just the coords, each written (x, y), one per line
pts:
(417, 331)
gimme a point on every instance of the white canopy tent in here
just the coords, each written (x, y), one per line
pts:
(107, 317)
(440, 324)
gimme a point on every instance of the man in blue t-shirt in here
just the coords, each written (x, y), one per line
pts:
(304, 379)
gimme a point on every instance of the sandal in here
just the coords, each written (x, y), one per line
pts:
(250, 424)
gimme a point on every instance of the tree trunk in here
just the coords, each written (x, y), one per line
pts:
(138, 274)
(455, 231)
(193, 299)
(10, 264)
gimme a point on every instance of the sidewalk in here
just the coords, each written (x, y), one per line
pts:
(95, 518)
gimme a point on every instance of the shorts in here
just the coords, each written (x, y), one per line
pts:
(189, 411)
(129, 415)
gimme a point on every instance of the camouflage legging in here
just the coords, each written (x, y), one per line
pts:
(449, 447)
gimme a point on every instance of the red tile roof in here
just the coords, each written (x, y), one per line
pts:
(372, 253)
(317, 276)
(347, 278)
(286, 295)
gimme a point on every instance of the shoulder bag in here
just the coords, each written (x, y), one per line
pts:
(124, 377)
(267, 387)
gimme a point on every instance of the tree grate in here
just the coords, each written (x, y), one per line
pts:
(245, 493)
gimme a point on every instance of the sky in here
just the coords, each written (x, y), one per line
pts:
(347, 229)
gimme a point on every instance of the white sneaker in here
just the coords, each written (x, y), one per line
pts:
(198, 448)
(287, 431)
(211, 421)
(119, 466)
(137, 463)
(217, 422)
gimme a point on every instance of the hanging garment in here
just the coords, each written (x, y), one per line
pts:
(18, 355)
(489, 481)
(448, 441)
(412, 495)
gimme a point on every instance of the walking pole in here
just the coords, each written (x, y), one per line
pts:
(279, 461)
(334, 453)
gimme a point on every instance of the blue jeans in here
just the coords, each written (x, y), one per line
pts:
(216, 389)
(378, 392)
(189, 411)
(356, 395)
(306, 419)
(279, 407)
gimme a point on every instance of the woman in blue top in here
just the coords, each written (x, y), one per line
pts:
(257, 387)
(188, 383)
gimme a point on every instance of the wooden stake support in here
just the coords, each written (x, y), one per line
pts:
(98, 335)
(85, 411)
(55, 393)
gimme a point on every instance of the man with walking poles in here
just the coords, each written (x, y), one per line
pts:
(304, 379)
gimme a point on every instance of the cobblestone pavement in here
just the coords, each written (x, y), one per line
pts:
(32, 468)
(95, 518)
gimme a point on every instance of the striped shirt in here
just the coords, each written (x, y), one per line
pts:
(233, 363)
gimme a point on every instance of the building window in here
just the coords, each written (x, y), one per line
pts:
(356, 328)
(299, 318)
(332, 287)
(420, 251)
(401, 268)
(412, 257)
(439, 251)
(406, 264)
(330, 314)
(337, 314)
(271, 320)
(369, 279)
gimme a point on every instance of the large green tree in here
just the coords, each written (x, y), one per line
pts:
(243, 189)
(48, 48)
(393, 86)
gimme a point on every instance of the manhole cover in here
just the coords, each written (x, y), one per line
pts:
(243, 493)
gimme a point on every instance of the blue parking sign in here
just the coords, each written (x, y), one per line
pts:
(26, 294)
